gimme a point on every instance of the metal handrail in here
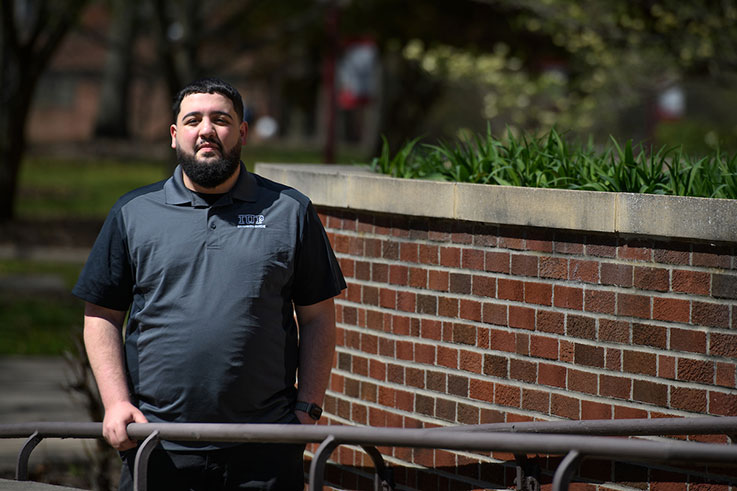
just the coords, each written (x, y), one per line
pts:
(477, 437)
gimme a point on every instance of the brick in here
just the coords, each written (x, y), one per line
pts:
(614, 331)
(612, 386)
(603, 302)
(692, 282)
(723, 345)
(553, 268)
(700, 371)
(568, 243)
(502, 341)
(447, 357)
(667, 367)
(508, 289)
(507, 395)
(448, 307)
(438, 280)
(424, 405)
(406, 301)
(564, 406)
(472, 259)
(458, 385)
(408, 252)
(549, 321)
(724, 286)
(400, 325)
(585, 271)
(521, 317)
(460, 283)
(568, 297)
(688, 399)
(538, 293)
(481, 390)
(464, 334)
(722, 404)
(418, 278)
(688, 340)
(521, 343)
(613, 359)
(582, 381)
(429, 254)
(726, 375)
(450, 257)
(710, 314)
(649, 335)
(711, 256)
(595, 410)
(511, 238)
(566, 351)
(671, 310)
(495, 314)
(523, 370)
(536, 400)
(601, 246)
(470, 361)
(633, 305)
(581, 327)
(445, 410)
(372, 247)
(483, 286)
(590, 356)
(425, 353)
(544, 347)
(405, 350)
(470, 310)
(524, 265)
(485, 235)
(654, 279)
(387, 298)
(468, 414)
(639, 362)
(370, 295)
(635, 250)
(551, 375)
(497, 262)
(436, 381)
(617, 275)
(496, 366)
(414, 377)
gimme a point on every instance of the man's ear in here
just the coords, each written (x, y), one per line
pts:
(173, 132)
(244, 132)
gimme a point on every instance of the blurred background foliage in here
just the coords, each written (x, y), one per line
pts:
(323, 76)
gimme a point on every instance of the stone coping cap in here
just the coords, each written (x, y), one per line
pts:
(358, 188)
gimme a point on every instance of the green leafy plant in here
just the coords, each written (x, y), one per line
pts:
(550, 161)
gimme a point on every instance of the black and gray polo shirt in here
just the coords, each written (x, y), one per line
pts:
(211, 335)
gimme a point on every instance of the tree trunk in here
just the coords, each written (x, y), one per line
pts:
(112, 116)
(27, 42)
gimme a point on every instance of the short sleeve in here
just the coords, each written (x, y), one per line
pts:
(106, 279)
(317, 272)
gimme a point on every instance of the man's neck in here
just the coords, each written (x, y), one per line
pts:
(219, 189)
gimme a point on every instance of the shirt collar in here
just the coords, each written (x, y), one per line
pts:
(176, 193)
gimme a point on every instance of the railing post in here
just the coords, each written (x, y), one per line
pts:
(140, 467)
(565, 470)
(320, 459)
(21, 466)
(383, 478)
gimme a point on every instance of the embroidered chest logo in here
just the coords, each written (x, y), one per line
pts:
(251, 221)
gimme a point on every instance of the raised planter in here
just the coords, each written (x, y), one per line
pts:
(471, 304)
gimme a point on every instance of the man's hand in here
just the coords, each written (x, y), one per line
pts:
(116, 421)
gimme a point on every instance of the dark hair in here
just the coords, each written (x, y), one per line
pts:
(210, 86)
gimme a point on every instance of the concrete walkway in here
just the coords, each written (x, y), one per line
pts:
(33, 390)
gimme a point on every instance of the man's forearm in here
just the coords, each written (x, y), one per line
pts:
(316, 349)
(104, 344)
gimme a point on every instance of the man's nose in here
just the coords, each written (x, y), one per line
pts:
(206, 127)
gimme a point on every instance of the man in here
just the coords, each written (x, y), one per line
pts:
(213, 264)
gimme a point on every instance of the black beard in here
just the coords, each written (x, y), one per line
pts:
(213, 173)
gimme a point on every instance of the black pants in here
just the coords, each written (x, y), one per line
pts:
(270, 466)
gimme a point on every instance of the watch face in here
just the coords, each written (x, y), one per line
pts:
(315, 411)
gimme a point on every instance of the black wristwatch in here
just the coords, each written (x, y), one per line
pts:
(313, 410)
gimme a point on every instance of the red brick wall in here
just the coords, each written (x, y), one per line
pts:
(463, 323)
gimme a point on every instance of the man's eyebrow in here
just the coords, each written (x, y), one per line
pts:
(199, 113)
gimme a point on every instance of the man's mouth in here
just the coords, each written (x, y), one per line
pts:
(209, 146)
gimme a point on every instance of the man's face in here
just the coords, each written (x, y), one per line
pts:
(208, 136)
